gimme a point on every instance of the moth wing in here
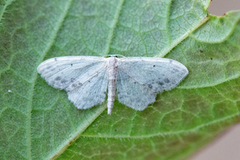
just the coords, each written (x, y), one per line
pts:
(139, 79)
(83, 77)
(91, 93)
(131, 93)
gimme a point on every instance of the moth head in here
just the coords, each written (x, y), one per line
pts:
(116, 56)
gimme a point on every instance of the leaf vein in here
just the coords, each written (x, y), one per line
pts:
(35, 78)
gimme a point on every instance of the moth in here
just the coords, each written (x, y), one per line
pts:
(135, 80)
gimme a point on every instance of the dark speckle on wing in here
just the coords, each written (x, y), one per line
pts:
(49, 67)
(58, 78)
(150, 86)
(166, 80)
(63, 81)
(74, 85)
(175, 70)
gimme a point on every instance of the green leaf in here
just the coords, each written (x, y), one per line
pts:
(39, 122)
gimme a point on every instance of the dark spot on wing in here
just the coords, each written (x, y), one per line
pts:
(89, 81)
(71, 64)
(104, 92)
(134, 82)
(74, 85)
(160, 83)
(153, 65)
(175, 70)
(72, 79)
(53, 69)
(63, 81)
(150, 86)
(55, 59)
(166, 80)
(58, 78)
(173, 82)
(49, 67)
(170, 61)
(138, 100)
(80, 84)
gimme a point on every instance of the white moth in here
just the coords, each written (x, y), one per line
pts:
(136, 79)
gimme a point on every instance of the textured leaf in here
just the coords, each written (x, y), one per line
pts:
(39, 122)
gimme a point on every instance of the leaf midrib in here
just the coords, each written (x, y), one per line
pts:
(114, 26)
(35, 78)
(166, 50)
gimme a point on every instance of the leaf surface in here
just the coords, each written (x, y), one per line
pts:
(39, 122)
